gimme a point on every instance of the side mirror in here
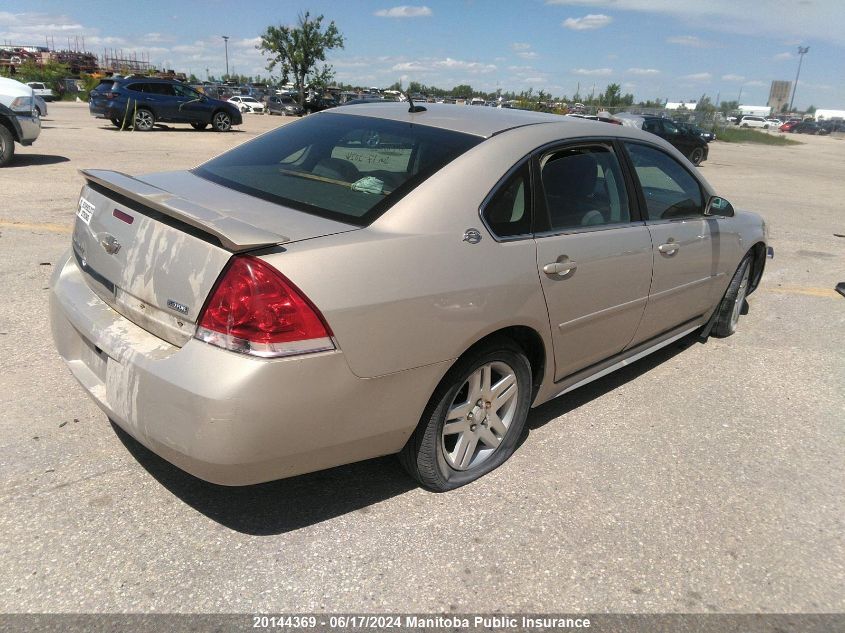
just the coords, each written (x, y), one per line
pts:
(719, 207)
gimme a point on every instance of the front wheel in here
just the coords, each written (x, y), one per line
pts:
(7, 146)
(733, 302)
(474, 419)
(221, 121)
(696, 156)
(116, 122)
(199, 125)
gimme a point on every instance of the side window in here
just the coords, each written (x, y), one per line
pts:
(650, 125)
(184, 91)
(508, 212)
(583, 186)
(669, 127)
(137, 87)
(160, 89)
(670, 191)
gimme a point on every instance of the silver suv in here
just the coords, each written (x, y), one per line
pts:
(19, 120)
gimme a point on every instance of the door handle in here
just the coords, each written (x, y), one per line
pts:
(669, 248)
(560, 268)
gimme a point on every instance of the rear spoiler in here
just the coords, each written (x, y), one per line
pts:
(233, 234)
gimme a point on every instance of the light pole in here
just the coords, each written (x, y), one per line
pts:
(226, 43)
(802, 50)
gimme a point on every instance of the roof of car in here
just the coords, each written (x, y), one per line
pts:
(477, 121)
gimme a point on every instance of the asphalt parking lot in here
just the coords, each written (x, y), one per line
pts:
(705, 478)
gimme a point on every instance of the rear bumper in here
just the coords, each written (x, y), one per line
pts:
(224, 417)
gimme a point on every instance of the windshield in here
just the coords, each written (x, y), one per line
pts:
(343, 167)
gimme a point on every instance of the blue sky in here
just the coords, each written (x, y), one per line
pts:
(675, 49)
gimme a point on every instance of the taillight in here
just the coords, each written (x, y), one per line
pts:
(253, 309)
(111, 95)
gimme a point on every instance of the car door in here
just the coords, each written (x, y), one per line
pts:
(189, 106)
(685, 241)
(593, 253)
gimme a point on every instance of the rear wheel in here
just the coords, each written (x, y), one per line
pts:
(145, 120)
(221, 121)
(696, 156)
(733, 302)
(199, 125)
(7, 146)
(474, 420)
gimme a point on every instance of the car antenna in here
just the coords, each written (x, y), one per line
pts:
(413, 108)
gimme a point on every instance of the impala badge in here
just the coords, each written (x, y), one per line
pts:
(109, 243)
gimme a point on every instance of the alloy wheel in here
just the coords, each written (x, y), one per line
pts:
(480, 415)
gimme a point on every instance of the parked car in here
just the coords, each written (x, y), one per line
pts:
(369, 280)
(809, 127)
(284, 105)
(247, 104)
(791, 123)
(42, 90)
(141, 102)
(835, 125)
(19, 120)
(317, 103)
(754, 121)
(774, 123)
(689, 144)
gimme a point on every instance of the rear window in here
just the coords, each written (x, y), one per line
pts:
(343, 167)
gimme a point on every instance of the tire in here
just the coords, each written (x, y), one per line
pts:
(696, 156)
(744, 125)
(442, 461)
(40, 113)
(199, 125)
(118, 123)
(144, 120)
(221, 121)
(733, 303)
(7, 146)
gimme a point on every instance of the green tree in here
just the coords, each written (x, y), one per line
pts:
(811, 109)
(612, 96)
(726, 107)
(297, 50)
(462, 90)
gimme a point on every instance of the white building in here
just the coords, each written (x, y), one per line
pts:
(828, 115)
(677, 105)
(752, 110)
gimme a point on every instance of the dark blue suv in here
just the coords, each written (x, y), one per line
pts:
(140, 102)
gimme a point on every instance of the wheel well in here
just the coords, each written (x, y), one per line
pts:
(530, 342)
(758, 263)
(8, 125)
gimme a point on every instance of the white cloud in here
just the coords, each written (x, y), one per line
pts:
(643, 71)
(698, 77)
(591, 21)
(732, 77)
(404, 11)
(812, 22)
(691, 41)
(523, 50)
(782, 57)
(598, 72)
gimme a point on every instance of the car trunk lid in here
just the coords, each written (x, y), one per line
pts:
(154, 255)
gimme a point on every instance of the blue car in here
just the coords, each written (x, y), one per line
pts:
(141, 102)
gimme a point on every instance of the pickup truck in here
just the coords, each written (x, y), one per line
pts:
(41, 90)
(19, 120)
